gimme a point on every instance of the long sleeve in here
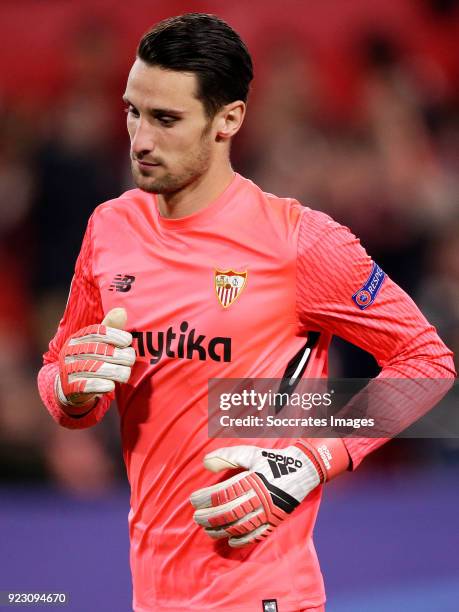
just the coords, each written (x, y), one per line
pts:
(333, 294)
(83, 308)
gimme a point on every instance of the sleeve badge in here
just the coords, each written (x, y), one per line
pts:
(366, 295)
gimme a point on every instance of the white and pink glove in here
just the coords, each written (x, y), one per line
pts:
(93, 359)
(247, 507)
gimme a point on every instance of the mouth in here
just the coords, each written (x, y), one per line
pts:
(145, 164)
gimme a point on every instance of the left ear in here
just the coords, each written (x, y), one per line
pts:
(229, 119)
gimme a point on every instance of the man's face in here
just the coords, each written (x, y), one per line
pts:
(171, 139)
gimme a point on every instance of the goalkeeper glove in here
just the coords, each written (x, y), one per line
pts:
(247, 507)
(93, 359)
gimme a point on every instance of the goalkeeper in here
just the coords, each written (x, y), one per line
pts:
(216, 279)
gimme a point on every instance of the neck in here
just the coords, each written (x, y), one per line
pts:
(197, 195)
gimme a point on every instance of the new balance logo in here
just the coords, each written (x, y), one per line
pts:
(122, 282)
(281, 465)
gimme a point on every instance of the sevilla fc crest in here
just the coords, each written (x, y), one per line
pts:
(229, 285)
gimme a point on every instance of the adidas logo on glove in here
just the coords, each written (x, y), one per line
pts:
(281, 465)
(246, 507)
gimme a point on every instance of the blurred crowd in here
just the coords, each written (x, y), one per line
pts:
(385, 163)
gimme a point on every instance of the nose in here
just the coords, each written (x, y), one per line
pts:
(142, 139)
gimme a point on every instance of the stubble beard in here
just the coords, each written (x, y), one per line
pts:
(195, 166)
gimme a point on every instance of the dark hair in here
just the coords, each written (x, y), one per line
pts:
(206, 46)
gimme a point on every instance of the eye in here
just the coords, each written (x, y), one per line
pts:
(167, 120)
(131, 110)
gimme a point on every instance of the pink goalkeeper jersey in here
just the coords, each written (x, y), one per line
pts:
(289, 271)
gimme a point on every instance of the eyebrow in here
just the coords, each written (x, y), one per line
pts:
(159, 111)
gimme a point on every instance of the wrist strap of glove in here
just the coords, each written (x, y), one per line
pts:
(329, 456)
